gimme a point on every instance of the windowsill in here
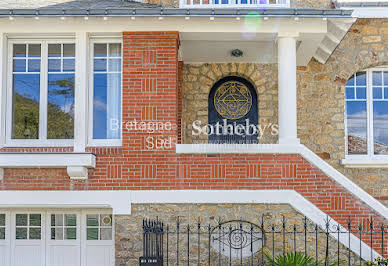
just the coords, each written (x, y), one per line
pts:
(365, 162)
(46, 159)
(77, 164)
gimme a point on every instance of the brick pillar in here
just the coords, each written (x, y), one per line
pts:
(150, 82)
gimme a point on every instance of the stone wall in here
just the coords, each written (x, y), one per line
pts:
(128, 231)
(321, 99)
(199, 79)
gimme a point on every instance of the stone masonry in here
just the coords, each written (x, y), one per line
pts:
(128, 230)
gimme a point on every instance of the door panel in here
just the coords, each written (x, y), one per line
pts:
(98, 255)
(3, 254)
(26, 255)
(64, 255)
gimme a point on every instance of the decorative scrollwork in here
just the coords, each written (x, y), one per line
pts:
(232, 100)
(237, 239)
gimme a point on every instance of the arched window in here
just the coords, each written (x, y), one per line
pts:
(233, 114)
(367, 112)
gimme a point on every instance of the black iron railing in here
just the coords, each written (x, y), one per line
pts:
(268, 242)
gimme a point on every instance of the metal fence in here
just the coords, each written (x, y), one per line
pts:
(239, 242)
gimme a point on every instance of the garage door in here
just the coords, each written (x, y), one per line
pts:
(56, 238)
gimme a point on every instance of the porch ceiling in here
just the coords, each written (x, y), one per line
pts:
(260, 45)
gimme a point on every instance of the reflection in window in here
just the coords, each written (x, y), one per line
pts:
(43, 76)
(28, 226)
(106, 90)
(63, 226)
(380, 111)
(99, 227)
(367, 111)
(26, 91)
(356, 110)
(60, 106)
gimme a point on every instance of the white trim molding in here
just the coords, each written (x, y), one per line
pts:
(297, 201)
(365, 163)
(77, 164)
(300, 149)
(118, 201)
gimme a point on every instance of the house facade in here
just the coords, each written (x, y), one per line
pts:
(115, 111)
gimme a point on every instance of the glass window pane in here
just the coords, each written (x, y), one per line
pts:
(350, 93)
(92, 234)
(380, 127)
(19, 50)
(34, 65)
(100, 50)
(386, 93)
(92, 220)
(357, 127)
(99, 106)
(57, 233)
(377, 93)
(69, 50)
(361, 92)
(386, 79)
(21, 219)
(106, 220)
(350, 81)
(71, 233)
(54, 65)
(2, 219)
(34, 50)
(35, 233)
(100, 65)
(19, 65)
(54, 50)
(56, 219)
(35, 220)
(21, 233)
(60, 110)
(71, 220)
(106, 233)
(2, 233)
(361, 79)
(114, 65)
(114, 49)
(377, 78)
(69, 65)
(25, 111)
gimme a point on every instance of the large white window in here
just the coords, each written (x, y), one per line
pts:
(40, 95)
(105, 93)
(367, 113)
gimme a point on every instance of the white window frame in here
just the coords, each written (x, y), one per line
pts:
(102, 142)
(42, 141)
(369, 109)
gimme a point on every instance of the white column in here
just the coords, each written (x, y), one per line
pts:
(287, 89)
(81, 91)
(3, 86)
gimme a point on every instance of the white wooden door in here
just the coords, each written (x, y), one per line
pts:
(27, 239)
(4, 238)
(63, 239)
(97, 238)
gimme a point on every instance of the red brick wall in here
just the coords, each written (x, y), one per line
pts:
(150, 82)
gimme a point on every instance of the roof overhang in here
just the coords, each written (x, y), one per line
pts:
(207, 35)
